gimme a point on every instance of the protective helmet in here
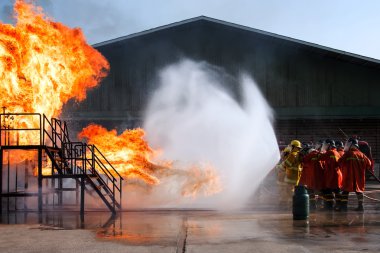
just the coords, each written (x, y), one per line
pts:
(354, 142)
(318, 145)
(351, 142)
(296, 143)
(306, 149)
(330, 142)
(339, 144)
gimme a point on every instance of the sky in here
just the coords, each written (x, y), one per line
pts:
(348, 25)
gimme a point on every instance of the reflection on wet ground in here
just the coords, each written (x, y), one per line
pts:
(163, 227)
(194, 229)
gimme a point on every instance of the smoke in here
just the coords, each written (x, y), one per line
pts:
(192, 117)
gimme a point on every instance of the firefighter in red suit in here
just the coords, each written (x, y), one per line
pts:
(332, 175)
(310, 172)
(354, 165)
(339, 147)
(319, 174)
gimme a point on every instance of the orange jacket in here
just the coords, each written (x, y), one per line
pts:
(354, 164)
(311, 171)
(332, 172)
(340, 151)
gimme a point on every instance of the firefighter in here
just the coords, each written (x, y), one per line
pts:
(332, 175)
(279, 168)
(285, 152)
(318, 145)
(310, 165)
(354, 164)
(318, 174)
(339, 147)
(292, 168)
(292, 164)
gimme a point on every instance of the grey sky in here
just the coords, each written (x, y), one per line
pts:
(349, 25)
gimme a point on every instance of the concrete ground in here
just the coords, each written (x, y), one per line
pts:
(253, 230)
(192, 231)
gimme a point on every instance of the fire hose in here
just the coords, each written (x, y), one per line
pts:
(373, 199)
(378, 180)
(373, 174)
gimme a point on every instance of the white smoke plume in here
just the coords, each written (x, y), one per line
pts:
(193, 118)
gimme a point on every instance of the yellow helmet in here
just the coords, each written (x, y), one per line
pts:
(296, 143)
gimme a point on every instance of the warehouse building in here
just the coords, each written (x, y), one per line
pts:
(314, 90)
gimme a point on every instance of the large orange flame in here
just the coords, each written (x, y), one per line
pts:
(129, 153)
(43, 64)
(132, 157)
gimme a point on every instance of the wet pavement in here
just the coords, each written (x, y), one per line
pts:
(258, 229)
(191, 231)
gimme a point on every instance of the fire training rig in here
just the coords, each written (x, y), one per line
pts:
(58, 159)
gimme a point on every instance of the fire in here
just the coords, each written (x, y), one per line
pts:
(43, 65)
(129, 153)
(132, 157)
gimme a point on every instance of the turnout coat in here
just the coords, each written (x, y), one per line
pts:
(332, 173)
(354, 164)
(312, 173)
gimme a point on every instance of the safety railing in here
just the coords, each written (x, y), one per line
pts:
(81, 158)
(101, 165)
(21, 129)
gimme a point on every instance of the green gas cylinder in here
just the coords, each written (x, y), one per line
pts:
(300, 203)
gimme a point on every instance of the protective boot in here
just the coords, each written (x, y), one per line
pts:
(312, 200)
(342, 207)
(313, 205)
(360, 197)
(338, 199)
(328, 206)
(343, 202)
(319, 202)
(360, 207)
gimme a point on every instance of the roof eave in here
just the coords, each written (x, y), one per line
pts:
(199, 18)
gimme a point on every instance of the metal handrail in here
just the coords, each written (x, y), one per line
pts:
(108, 162)
(104, 168)
(8, 129)
(104, 183)
(73, 155)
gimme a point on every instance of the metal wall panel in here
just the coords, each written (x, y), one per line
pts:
(299, 81)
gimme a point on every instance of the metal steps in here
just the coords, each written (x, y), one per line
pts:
(76, 160)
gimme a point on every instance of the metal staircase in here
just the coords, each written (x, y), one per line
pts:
(80, 161)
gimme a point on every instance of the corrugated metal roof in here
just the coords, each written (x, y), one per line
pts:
(339, 53)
